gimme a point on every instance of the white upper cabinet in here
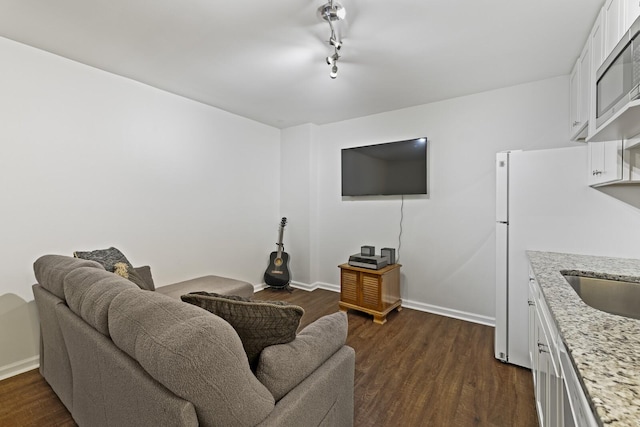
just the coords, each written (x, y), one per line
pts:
(632, 12)
(596, 50)
(617, 17)
(580, 97)
(605, 162)
(614, 23)
(574, 99)
(596, 41)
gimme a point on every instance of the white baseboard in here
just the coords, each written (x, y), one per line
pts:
(327, 286)
(304, 286)
(414, 305)
(316, 285)
(259, 287)
(19, 367)
(449, 312)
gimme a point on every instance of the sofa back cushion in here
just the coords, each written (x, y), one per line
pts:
(193, 353)
(89, 293)
(50, 271)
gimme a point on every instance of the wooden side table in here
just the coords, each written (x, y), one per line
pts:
(375, 292)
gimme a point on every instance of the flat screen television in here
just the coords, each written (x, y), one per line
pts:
(393, 168)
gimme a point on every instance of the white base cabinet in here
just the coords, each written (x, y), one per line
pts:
(560, 400)
(545, 361)
(575, 407)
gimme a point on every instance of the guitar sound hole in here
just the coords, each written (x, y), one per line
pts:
(278, 262)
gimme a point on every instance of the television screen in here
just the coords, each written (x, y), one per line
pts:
(393, 168)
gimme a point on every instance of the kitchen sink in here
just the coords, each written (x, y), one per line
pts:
(613, 296)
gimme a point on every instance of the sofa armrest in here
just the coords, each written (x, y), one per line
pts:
(282, 367)
(323, 399)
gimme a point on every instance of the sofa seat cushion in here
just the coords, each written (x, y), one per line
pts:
(217, 284)
(196, 355)
(258, 323)
(90, 292)
(50, 271)
(282, 367)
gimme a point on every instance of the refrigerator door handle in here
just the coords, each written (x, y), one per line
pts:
(502, 187)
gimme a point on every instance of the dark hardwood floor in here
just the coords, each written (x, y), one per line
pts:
(418, 369)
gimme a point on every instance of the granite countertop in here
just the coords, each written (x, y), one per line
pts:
(605, 348)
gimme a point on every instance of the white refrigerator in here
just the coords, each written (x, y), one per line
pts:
(543, 202)
(503, 323)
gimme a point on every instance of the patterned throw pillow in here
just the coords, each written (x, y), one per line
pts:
(107, 257)
(259, 324)
(112, 258)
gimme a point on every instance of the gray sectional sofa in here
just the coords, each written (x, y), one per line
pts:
(117, 355)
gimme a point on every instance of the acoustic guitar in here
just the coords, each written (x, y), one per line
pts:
(277, 273)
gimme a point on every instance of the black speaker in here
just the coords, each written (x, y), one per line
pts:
(389, 254)
(367, 250)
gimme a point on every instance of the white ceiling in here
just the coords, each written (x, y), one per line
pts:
(265, 60)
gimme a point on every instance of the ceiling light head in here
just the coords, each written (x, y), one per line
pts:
(332, 11)
(335, 43)
(333, 59)
(334, 71)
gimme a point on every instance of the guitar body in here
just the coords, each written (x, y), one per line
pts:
(277, 273)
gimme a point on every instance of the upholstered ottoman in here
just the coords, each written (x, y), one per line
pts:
(217, 284)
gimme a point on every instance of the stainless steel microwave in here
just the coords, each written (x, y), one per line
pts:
(618, 78)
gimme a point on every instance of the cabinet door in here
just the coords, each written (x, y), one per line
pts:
(574, 99)
(371, 291)
(596, 55)
(613, 24)
(605, 162)
(580, 94)
(596, 162)
(533, 348)
(584, 97)
(542, 374)
(597, 43)
(349, 286)
(554, 411)
(576, 409)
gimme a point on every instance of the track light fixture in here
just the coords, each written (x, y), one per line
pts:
(330, 12)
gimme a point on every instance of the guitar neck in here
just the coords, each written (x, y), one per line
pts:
(280, 245)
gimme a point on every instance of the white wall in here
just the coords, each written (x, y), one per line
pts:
(90, 160)
(448, 240)
(295, 151)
